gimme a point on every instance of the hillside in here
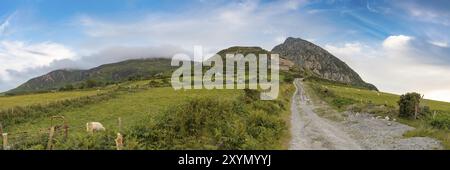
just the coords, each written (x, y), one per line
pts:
(108, 73)
(315, 61)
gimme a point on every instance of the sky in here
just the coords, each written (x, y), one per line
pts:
(399, 46)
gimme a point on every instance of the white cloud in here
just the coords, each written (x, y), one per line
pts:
(18, 56)
(396, 66)
(215, 27)
(397, 42)
(293, 4)
(436, 12)
(5, 24)
(443, 44)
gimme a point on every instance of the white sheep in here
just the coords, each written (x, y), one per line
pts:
(94, 126)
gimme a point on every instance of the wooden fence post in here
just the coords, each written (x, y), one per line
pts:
(66, 131)
(5, 141)
(50, 138)
(120, 125)
(119, 141)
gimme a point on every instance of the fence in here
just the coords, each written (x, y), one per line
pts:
(23, 138)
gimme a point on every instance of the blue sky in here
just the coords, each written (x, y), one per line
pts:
(381, 40)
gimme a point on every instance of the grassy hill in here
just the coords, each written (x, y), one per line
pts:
(104, 74)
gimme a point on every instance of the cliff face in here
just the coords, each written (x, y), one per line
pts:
(319, 62)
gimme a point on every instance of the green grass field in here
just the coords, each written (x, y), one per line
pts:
(366, 96)
(132, 106)
(7, 102)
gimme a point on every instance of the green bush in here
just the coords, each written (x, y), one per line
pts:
(409, 105)
(210, 123)
(251, 95)
(86, 141)
(67, 87)
(441, 121)
(341, 102)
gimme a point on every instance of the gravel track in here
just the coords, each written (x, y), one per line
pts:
(357, 131)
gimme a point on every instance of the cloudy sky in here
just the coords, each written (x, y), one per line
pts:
(399, 46)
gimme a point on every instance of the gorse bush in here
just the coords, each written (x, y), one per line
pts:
(409, 105)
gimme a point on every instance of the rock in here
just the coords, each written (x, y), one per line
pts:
(386, 118)
(316, 60)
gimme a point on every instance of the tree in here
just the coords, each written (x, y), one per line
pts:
(409, 105)
(91, 83)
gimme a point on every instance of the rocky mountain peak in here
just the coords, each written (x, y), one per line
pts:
(318, 62)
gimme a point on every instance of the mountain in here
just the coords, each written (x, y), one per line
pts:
(243, 50)
(115, 72)
(316, 61)
(309, 58)
(284, 64)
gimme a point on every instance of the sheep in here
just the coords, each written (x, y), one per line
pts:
(94, 126)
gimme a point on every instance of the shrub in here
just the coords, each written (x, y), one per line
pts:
(85, 141)
(288, 78)
(409, 105)
(441, 121)
(210, 123)
(342, 102)
(91, 83)
(154, 83)
(67, 87)
(251, 95)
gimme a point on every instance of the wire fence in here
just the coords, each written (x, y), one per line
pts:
(46, 136)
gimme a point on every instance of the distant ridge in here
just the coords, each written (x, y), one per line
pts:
(115, 72)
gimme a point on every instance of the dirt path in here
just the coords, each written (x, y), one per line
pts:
(358, 131)
(310, 131)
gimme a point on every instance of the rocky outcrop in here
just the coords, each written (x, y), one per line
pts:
(318, 62)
